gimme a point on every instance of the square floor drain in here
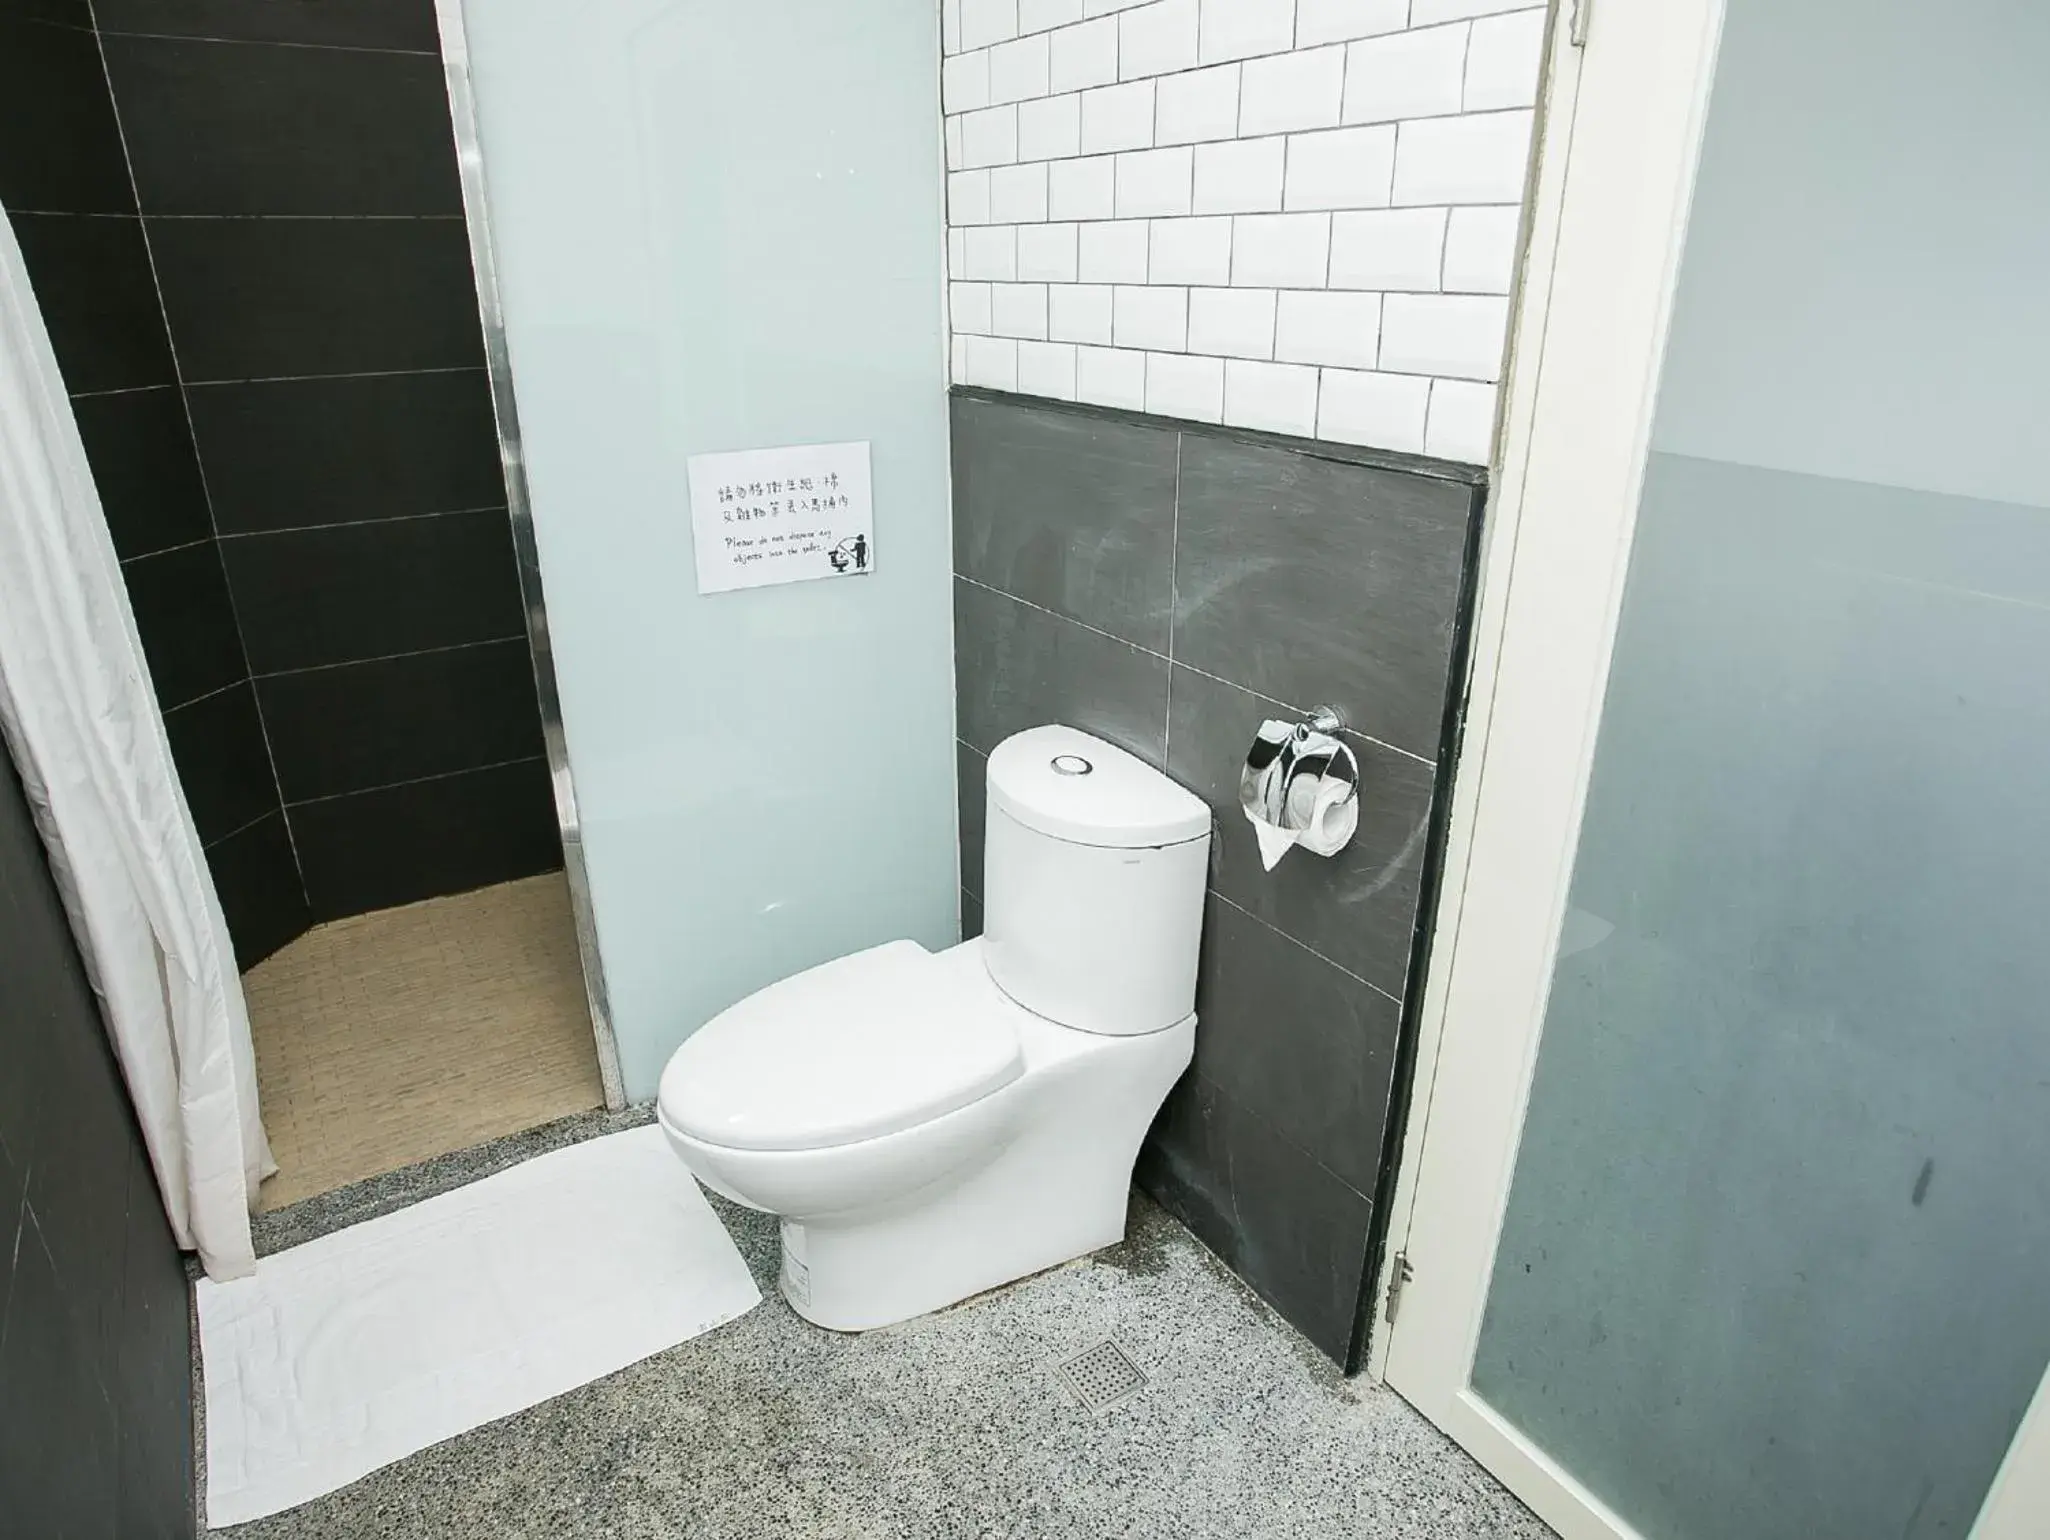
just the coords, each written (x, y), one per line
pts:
(1102, 1376)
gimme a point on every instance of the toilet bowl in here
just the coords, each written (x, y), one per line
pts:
(931, 1125)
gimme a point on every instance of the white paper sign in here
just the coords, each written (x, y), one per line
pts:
(781, 515)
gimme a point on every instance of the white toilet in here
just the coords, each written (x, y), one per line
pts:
(932, 1125)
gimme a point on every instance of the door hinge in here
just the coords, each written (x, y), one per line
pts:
(1576, 22)
(1398, 1275)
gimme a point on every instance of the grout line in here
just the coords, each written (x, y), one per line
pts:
(1275, 1131)
(1463, 473)
(192, 435)
(1282, 288)
(1238, 138)
(1493, 381)
(206, 695)
(1303, 711)
(222, 839)
(183, 545)
(1174, 594)
(1395, 160)
(121, 390)
(1465, 63)
(52, 21)
(389, 518)
(332, 218)
(384, 657)
(1345, 79)
(345, 374)
(1444, 255)
(22, 1219)
(422, 780)
(1304, 945)
(1057, 615)
(268, 42)
(1174, 663)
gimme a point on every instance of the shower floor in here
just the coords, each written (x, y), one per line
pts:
(387, 1038)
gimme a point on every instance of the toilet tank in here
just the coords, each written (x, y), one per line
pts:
(1094, 866)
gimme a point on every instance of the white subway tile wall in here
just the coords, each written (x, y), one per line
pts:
(1079, 312)
(1046, 253)
(1294, 215)
(1185, 385)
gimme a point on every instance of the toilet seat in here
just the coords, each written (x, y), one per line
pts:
(862, 1046)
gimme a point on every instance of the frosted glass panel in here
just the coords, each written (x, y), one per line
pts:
(719, 227)
(1776, 1260)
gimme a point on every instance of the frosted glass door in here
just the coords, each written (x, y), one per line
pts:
(1776, 1257)
(719, 227)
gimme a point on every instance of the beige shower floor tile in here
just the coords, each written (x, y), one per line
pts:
(386, 1038)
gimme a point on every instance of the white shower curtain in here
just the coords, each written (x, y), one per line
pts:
(83, 727)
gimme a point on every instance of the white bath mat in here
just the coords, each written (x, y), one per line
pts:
(353, 1350)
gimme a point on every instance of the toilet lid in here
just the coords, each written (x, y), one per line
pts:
(853, 1049)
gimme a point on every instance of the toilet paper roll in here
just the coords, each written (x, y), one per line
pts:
(1300, 786)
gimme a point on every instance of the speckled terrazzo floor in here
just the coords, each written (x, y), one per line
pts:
(952, 1427)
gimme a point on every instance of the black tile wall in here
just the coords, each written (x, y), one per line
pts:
(270, 298)
(348, 592)
(313, 511)
(245, 230)
(374, 849)
(286, 454)
(95, 1373)
(262, 130)
(256, 873)
(140, 449)
(362, 725)
(1168, 587)
(91, 274)
(62, 152)
(70, 13)
(63, 148)
(224, 763)
(187, 624)
(389, 24)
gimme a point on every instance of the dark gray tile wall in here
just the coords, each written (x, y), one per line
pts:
(1168, 587)
(272, 326)
(65, 184)
(95, 1366)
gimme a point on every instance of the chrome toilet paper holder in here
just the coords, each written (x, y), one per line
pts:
(1300, 785)
(1330, 722)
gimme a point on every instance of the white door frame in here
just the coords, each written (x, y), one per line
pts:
(1615, 171)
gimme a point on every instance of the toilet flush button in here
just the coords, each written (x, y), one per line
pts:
(1071, 764)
